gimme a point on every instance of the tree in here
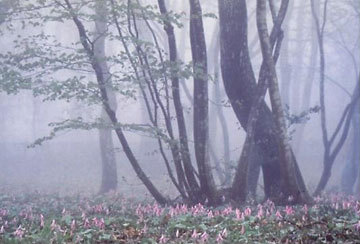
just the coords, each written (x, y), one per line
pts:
(287, 163)
(239, 82)
(351, 168)
(201, 107)
(331, 149)
(109, 168)
(142, 68)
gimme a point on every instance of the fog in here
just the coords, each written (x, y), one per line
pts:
(71, 162)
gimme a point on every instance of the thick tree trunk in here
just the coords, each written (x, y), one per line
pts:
(239, 82)
(201, 120)
(109, 169)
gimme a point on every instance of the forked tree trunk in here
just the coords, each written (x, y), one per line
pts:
(239, 83)
(247, 165)
(201, 123)
(290, 186)
(108, 162)
(331, 149)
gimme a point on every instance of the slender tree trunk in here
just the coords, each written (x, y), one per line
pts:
(109, 170)
(298, 58)
(330, 155)
(106, 104)
(331, 150)
(350, 171)
(184, 147)
(287, 163)
(309, 81)
(285, 66)
(201, 120)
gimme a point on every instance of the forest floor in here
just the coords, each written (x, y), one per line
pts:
(47, 218)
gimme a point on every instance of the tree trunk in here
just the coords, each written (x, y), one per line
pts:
(330, 150)
(201, 120)
(106, 104)
(239, 82)
(184, 147)
(290, 187)
(285, 66)
(309, 81)
(298, 58)
(108, 161)
(330, 155)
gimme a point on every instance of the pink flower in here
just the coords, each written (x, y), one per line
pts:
(2, 230)
(42, 221)
(227, 211)
(305, 208)
(3, 212)
(260, 213)
(224, 233)
(145, 229)
(304, 218)
(195, 234)
(204, 237)
(238, 214)
(73, 225)
(247, 211)
(219, 238)
(86, 223)
(357, 226)
(99, 223)
(163, 239)
(53, 225)
(19, 232)
(210, 214)
(346, 204)
(289, 210)
(290, 198)
(242, 229)
(278, 215)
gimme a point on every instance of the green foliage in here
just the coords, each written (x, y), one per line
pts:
(39, 59)
(113, 218)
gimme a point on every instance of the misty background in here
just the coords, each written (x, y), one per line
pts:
(71, 162)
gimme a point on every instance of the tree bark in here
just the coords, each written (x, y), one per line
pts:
(239, 82)
(109, 169)
(201, 107)
(350, 171)
(184, 147)
(290, 187)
